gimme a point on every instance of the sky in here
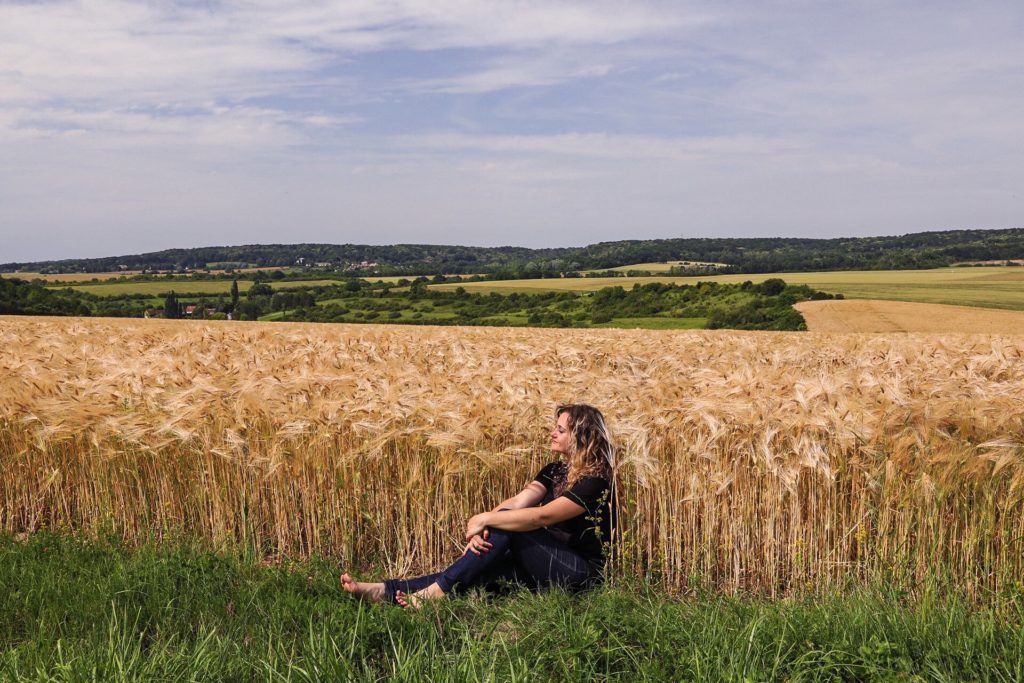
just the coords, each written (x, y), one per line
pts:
(128, 127)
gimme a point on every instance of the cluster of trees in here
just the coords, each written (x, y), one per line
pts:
(18, 297)
(764, 306)
(259, 300)
(747, 255)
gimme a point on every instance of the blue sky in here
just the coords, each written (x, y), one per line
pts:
(130, 127)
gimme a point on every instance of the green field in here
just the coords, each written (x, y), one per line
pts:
(656, 323)
(987, 287)
(79, 610)
(186, 286)
(426, 312)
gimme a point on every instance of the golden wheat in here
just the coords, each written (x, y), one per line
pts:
(872, 315)
(772, 462)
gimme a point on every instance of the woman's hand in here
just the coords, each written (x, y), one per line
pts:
(476, 525)
(478, 544)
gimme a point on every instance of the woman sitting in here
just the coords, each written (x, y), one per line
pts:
(552, 533)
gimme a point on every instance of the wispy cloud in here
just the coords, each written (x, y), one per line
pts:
(222, 126)
(162, 50)
(611, 146)
(425, 120)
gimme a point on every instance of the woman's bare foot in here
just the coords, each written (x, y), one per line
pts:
(373, 592)
(415, 600)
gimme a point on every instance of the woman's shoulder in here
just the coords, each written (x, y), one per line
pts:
(594, 481)
(551, 471)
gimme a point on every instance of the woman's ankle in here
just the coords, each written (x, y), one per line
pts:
(433, 592)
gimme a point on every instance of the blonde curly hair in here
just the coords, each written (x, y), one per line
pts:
(591, 451)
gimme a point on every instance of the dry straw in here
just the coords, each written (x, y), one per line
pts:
(774, 463)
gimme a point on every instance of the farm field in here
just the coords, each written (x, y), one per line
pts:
(184, 286)
(188, 286)
(661, 267)
(393, 279)
(71, 277)
(758, 463)
(868, 315)
(414, 312)
(85, 278)
(989, 287)
(654, 323)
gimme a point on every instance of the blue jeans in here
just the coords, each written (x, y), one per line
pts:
(533, 559)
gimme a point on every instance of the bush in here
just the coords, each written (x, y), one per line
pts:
(771, 287)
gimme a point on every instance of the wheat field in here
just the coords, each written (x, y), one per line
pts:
(775, 463)
(873, 315)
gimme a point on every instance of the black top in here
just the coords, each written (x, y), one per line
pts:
(587, 533)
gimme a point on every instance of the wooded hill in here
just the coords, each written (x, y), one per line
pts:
(742, 255)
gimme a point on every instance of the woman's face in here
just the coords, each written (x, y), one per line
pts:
(560, 435)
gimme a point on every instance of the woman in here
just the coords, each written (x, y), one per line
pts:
(552, 533)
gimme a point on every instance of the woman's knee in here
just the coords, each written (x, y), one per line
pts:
(529, 538)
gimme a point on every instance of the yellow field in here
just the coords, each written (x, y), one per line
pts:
(773, 462)
(87, 277)
(662, 266)
(70, 277)
(866, 315)
(158, 287)
(991, 287)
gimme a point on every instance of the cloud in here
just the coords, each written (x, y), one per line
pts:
(219, 126)
(181, 52)
(611, 146)
(525, 122)
(108, 66)
(514, 72)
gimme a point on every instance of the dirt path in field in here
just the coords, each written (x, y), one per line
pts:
(871, 315)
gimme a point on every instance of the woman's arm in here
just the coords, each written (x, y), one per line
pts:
(525, 519)
(527, 498)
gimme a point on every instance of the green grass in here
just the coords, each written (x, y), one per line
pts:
(987, 287)
(78, 610)
(656, 323)
(658, 307)
(186, 286)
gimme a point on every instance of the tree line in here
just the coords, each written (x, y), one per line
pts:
(742, 255)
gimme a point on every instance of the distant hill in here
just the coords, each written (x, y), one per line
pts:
(744, 255)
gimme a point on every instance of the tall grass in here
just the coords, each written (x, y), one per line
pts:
(78, 610)
(776, 463)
